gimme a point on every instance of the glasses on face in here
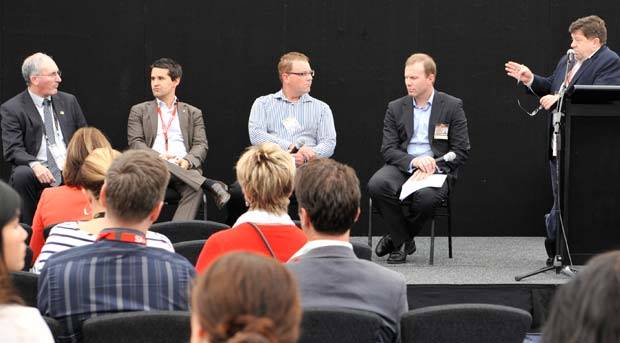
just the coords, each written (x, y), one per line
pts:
(303, 74)
(54, 74)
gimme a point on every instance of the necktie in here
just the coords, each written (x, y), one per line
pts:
(569, 73)
(48, 119)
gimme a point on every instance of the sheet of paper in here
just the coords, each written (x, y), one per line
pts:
(410, 186)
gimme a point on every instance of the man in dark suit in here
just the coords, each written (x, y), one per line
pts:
(175, 131)
(328, 272)
(595, 64)
(37, 125)
(424, 125)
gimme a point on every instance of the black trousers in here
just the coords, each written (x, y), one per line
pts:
(405, 218)
(29, 188)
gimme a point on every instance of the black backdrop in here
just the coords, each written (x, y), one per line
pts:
(229, 50)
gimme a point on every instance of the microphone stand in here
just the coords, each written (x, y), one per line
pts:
(558, 262)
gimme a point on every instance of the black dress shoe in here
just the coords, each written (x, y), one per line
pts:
(385, 246)
(219, 192)
(410, 247)
(397, 257)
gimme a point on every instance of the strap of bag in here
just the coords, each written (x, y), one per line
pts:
(260, 233)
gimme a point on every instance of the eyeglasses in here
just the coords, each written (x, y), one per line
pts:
(303, 74)
(536, 110)
(54, 74)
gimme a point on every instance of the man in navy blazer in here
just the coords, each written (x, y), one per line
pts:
(24, 138)
(328, 273)
(418, 128)
(595, 64)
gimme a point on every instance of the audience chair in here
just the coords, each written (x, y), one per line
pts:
(362, 251)
(190, 249)
(133, 327)
(28, 229)
(465, 323)
(189, 230)
(25, 283)
(443, 210)
(325, 325)
(47, 229)
(55, 327)
(28, 259)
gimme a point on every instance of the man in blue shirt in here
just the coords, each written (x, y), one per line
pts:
(118, 272)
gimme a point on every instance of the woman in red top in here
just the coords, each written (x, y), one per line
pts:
(67, 202)
(266, 174)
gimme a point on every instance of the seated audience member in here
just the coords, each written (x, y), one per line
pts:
(584, 310)
(18, 323)
(59, 204)
(328, 272)
(266, 174)
(118, 272)
(245, 297)
(78, 233)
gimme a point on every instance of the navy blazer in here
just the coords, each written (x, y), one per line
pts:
(22, 126)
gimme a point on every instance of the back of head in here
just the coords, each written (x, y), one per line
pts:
(83, 142)
(91, 175)
(584, 310)
(10, 203)
(266, 174)
(329, 191)
(245, 297)
(591, 26)
(135, 184)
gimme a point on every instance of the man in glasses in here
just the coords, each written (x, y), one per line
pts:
(594, 64)
(291, 118)
(37, 125)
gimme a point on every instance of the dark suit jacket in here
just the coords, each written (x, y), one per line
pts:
(22, 126)
(142, 130)
(398, 130)
(334, 277)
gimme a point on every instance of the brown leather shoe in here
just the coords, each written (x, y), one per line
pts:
(219, 192)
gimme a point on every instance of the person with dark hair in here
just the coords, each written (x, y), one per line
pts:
(175, 131)
(144, 278)
(67, 202)
(266, 173)
(245, 298)
(37, 125)
(18, 323)
(594, 64)
(584, 310)
(328, 272)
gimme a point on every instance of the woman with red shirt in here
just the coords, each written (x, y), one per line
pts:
(266, 174)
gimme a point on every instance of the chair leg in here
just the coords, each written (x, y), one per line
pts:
(204, 207)
(370, 222)
(449, 232)
(432, 253)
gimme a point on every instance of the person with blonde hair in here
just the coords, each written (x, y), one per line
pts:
(245, 298)
(266, 174)
(71, 234)
(67, 202)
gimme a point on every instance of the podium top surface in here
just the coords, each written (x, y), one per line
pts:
(589, 94)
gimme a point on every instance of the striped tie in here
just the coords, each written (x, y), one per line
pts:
(51, 140)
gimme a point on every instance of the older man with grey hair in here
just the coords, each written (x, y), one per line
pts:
(37, 125)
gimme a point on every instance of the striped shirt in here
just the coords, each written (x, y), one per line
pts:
(276, 119)
(111, 276)
(68, 235)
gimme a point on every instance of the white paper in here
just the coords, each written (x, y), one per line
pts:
(410, 186)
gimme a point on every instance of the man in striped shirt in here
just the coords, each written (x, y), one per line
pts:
(118, 272)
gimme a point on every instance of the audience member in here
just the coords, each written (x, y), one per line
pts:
(118, 272)
(59, 204)
(584, 310)
(18, 323)
(328, 272)
(78, 233)
(245, 298)
(266, 174)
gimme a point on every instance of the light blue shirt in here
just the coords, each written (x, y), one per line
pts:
(420, 144)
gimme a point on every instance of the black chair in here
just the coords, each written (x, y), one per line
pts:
(25, 283)
(190, 249)
(133, 327)
(443, 210)
(55, 327)
(28, 259)
(362, 251)
(325, 325)
(465, 323)
(188, 230)
(28, 229)
(47, 229)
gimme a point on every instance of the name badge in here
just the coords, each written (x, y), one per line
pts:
(291, 124)
(441, 131)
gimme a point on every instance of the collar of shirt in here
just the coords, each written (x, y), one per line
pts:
(38, 101)
(264, 217)
(429, 103)
(163, 104)
(280, 95)
(319, 243)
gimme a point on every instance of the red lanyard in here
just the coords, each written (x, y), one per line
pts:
(165, 127)
(122, 236)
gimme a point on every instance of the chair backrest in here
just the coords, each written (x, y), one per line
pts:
(55, 327)
(325, 325)
(362, 251)
(25, 284)
(28, 229)
(464, 323)
(47, 229)
(190, 249)
(129, 327)
(28, 259)
(188, 230)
